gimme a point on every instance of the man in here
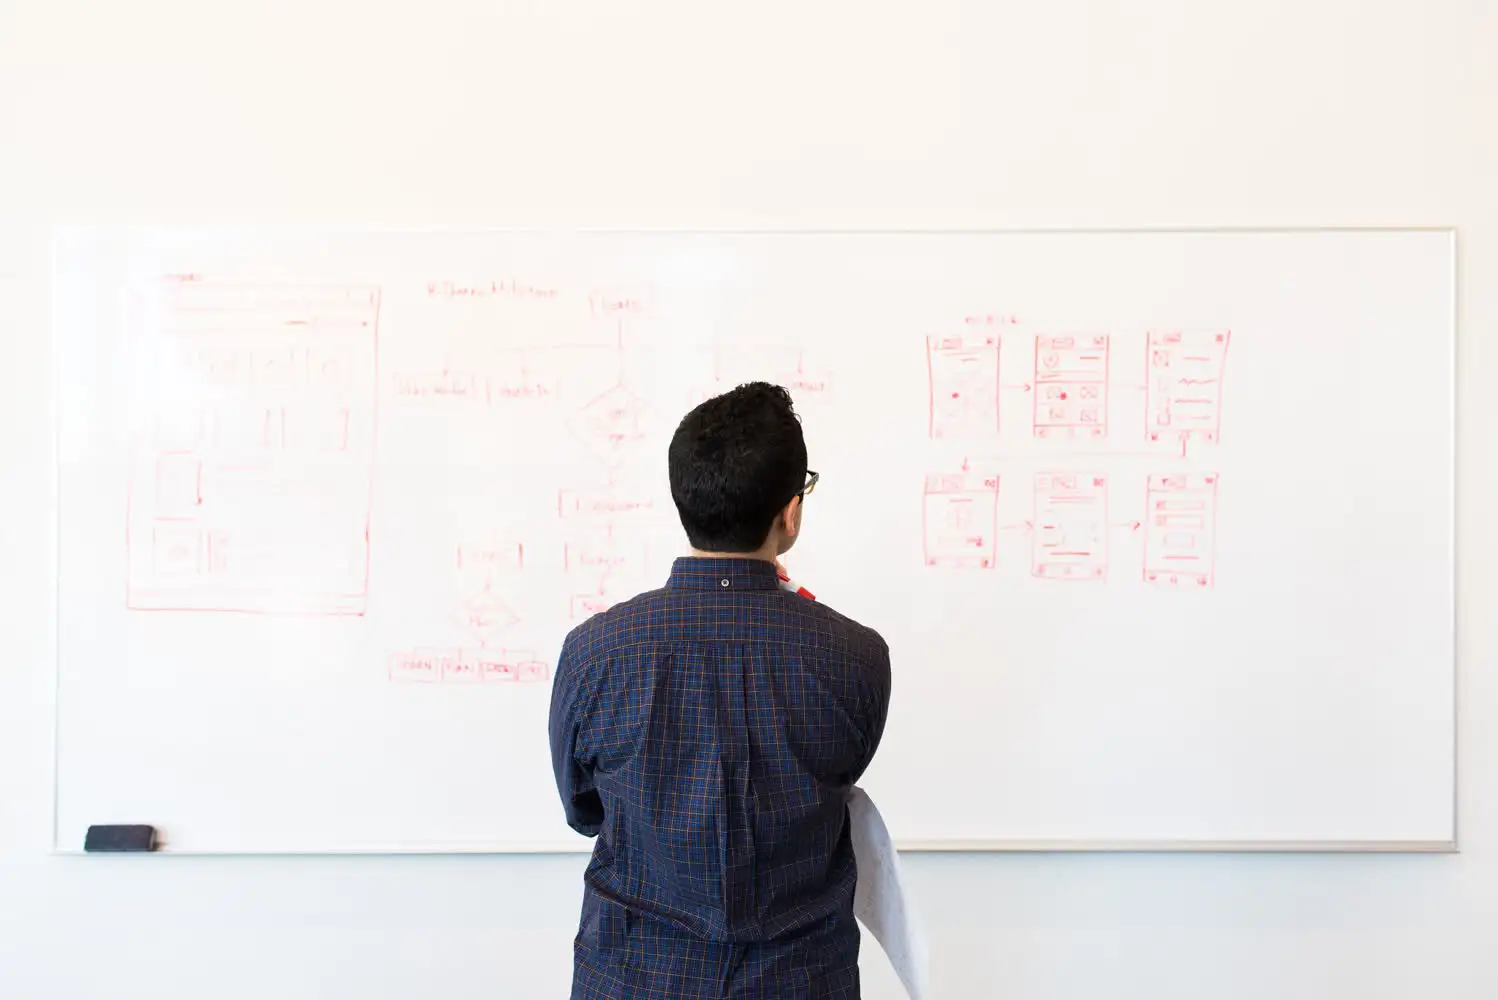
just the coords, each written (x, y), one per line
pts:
(708, 735)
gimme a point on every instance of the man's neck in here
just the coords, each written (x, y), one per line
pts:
(765, 554)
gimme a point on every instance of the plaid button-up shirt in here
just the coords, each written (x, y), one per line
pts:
(708, 734)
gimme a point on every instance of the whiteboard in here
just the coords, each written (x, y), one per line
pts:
(1158, 525)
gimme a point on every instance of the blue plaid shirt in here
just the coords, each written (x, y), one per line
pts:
(708, 734)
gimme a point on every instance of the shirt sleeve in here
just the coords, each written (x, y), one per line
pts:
(580, 800)
(877, 682)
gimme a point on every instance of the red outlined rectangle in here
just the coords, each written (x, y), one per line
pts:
(513, 387)
(1180, 539)
(179, 486)
(960, 520)
(587, 605)
(176, 551)
(963, 378)
(489, 555)
(1071, 385)
(276, 388)
(218, 552)
(1070, 527)
(420, 666)
(514, 666)
(602, 554)
(441, 385)
(532, 672)
(222, 365)
(601, 502)
(331, 366)
(496, 668)
(461, 668)
(1184, 390)
(273, 428)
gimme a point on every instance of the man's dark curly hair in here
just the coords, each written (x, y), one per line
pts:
(735, 461)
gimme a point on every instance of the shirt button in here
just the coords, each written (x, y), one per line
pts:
(724, 582)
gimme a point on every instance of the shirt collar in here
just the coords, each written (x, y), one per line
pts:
(703, 573)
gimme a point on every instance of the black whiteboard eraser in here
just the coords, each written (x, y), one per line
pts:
(120, 839)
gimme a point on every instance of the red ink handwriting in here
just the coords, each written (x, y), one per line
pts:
(464, 666)
(489, 554)
(587, 605)
(606, 303)
(600, 502)
(503, 287)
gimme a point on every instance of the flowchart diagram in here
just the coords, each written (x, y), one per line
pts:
(599, 557)
(252, 491)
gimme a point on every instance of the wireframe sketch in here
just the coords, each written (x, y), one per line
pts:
(960, 520)
(963, 375)
(250, 492)
(1180, 542)
(1184, 395)
(1071, 385)
(1070, 537)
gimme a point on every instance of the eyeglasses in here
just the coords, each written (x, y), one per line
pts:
(811, 482)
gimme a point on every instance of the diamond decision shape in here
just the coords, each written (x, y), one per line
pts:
(612, 422)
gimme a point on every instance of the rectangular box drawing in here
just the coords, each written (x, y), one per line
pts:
(484, 555)
(532, 672)
(1180, 540)
(1184, 388)
(264, 437)
(179, 486)
(1070, 527)
(960, 520)
(420, 666)
(963, 376)
(176, 551)
(583, 606)
(462, 668)
(601, 502)
(600, 554)
(496, 668)
(1071, 385)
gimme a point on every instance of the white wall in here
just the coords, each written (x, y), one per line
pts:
(833, 114)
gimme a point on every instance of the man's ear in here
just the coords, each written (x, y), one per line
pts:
(790, 519)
